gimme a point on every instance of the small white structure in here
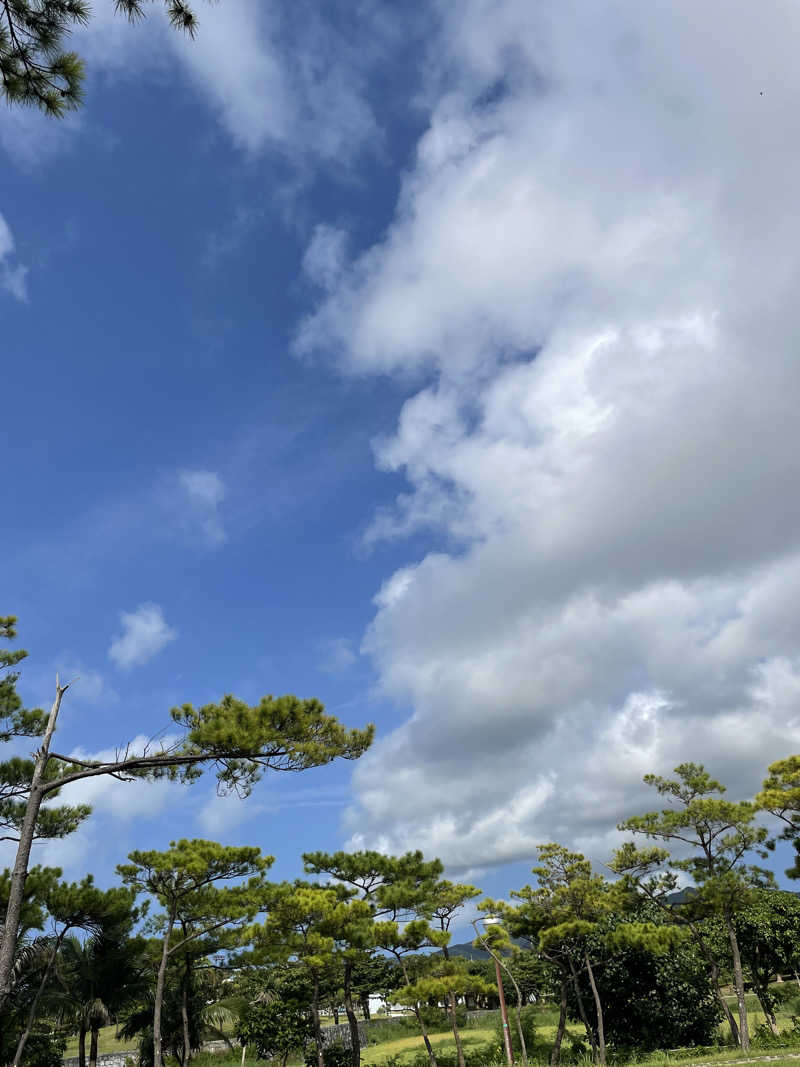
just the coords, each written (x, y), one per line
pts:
(380, 1007)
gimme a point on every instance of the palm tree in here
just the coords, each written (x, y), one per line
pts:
(99, 978)
(20, 1041)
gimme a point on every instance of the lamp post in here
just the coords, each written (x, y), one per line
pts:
(488, 921)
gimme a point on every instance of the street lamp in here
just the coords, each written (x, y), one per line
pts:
(492, 920)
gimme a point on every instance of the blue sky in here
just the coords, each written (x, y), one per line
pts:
(440, 363)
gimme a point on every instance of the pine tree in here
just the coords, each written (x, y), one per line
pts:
(239, 741)
(718, 835)
(37, 69)
(184, 879)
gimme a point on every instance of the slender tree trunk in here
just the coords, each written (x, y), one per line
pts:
(772, 1021)
(761, 990)
(93, 1047)
(738, 981)
(518, 1011)
(185, 1021)
(582, 1009)
(416, 1008)
(451, 1011)
(335, 1016)
(714, 974)
(601, 1034)
(364, 1002)
(355, 1037)
(158, 1059)
(187, 977)
(82, 1046)
(315, 1019)
(19, 875)
(555, 1054)
(423, 1029)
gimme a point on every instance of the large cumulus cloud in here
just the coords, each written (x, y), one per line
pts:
(591, 278)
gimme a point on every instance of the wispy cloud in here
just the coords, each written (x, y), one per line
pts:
(200, 504)
(12, 274)
(144, 634)
(335, 655)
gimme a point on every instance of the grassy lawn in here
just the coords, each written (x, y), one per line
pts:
(408, 1047)
(106, 1042)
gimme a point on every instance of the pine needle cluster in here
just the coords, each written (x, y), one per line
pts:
(36, 67)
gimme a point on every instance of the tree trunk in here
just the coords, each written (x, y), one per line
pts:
(601, 1035)
(518, 1012)
(729, 1019)
(423, 1029)
(364, 1002)
(335, 1016)
(451, 1010)
(185, 1020)
(582, 1009)
(158, 1059)
(555, 1055)
(93, 1047)
(772, 1021)
(19, 875)
(713, 972)
(315, 1019)
(738, 981)
(187, 978)
(761, 990)
(355, 1037)
(82, 1046)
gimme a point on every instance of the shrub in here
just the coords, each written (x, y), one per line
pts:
(274, 1029)
(335, 1055)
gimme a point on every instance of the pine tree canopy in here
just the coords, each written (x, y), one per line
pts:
(36, 67)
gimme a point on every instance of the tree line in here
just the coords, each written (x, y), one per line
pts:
(638, 951)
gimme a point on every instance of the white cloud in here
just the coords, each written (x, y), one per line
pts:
(290, 79)
(199, 507)
(591, 275)
(325, 257)
(144, 633)
(118, 809)
(221, 814)
(12, 274)
(336, 654)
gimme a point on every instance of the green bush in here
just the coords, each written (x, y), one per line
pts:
(335, 1055)
(275, 1029)
(434, 1017)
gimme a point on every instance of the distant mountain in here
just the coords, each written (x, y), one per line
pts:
(468, 951)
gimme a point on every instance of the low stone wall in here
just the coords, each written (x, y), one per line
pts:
(341, 1034)
(108, 1059)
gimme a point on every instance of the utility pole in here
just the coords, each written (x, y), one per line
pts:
(504, 1015)
(500, 992)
